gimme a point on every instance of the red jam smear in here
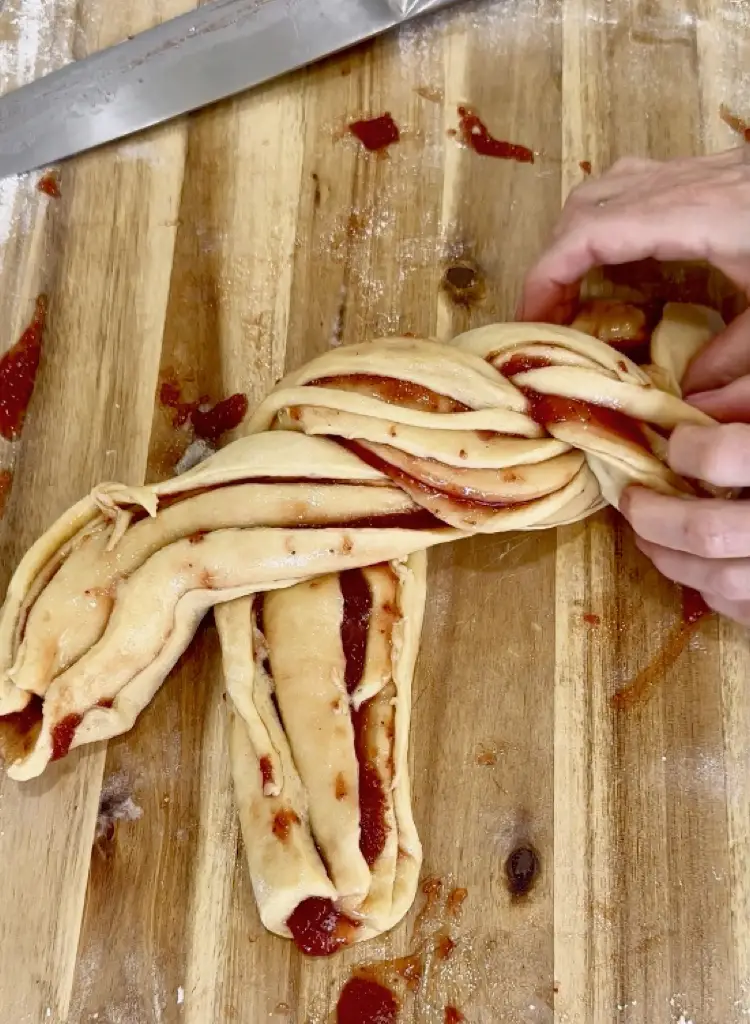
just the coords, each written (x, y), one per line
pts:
(355, 623)
(18, 370)
(376, 133)
(694, 608)
(223, 417)
(585, 166)
(373, 828)
(546, 409)
(283, 822)
(456, 900)
(407, 481)
(319, 929)
(6, 483)
(266, 771)
(63, 735)
(420, 519)
(736, 123)
(476, 135)
(522, 364)
(453, 1016)
(364, 1000)
(640, 689)
(209, 423)
(444, 947)
(49, 184)
(389, 389)
(170, 396)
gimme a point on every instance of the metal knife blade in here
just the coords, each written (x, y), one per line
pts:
(215, 51)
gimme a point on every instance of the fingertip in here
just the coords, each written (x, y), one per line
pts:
(628, 499)
(548, 302)
(686, 439)
(699, 398)
(727, 404)
(635, 505)
(723, 360)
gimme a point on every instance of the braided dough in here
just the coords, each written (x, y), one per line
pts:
(308, 537)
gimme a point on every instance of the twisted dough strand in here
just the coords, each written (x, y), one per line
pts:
(364, 458)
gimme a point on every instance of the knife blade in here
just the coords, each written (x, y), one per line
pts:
(211, 53)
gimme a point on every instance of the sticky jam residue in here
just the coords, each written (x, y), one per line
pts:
(376, 133)
(475, 134)
(18, 370)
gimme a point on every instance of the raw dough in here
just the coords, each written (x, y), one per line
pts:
(354, 466)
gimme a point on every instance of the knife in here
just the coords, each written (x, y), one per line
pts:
(206, 55)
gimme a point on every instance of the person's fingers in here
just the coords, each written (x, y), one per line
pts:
(607, 235)
(549, 303)
(718, 455)
(723, 360)
(710, 527)
(728, 578)
(682, 209)
(728, 405)
(624, 176)
(627, 165)
(738, 611)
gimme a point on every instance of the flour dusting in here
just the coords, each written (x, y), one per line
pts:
(34, 40)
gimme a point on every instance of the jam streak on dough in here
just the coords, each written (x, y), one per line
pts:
(355, 625)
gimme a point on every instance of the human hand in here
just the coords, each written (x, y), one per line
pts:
(702, 543)
(695, 208)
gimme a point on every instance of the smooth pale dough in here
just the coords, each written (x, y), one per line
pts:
(337, 472)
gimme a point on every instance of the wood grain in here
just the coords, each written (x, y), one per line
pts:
(221, 249)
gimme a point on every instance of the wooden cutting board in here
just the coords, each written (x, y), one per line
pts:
(214, 253)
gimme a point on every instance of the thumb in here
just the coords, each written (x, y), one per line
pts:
(723, 360)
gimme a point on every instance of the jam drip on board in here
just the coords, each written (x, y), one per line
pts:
(640, 688)
(475, 134)
(209, 422)
(6, 483)
(376, 133)
(364, 1000)
(18, 370)
(49, 184)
